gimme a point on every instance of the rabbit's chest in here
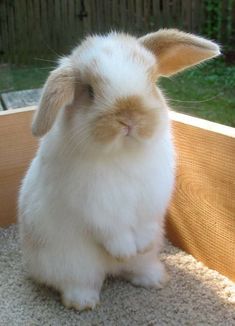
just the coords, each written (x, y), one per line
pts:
(119, 193)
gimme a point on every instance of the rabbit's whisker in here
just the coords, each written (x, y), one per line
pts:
(197, 101)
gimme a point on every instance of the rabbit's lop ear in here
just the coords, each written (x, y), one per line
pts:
(176, 50)
(57, 92)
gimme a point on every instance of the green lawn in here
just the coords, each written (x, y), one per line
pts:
(207, 91)
(19, 78)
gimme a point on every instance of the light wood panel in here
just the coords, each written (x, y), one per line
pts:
(201, 218)
(17, 148)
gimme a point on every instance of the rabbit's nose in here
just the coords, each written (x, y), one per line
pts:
(127, 127)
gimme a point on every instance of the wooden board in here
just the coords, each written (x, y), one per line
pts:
(17, 148)
(19, 99)
(201, 218)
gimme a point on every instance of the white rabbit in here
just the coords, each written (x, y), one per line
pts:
(93, 201)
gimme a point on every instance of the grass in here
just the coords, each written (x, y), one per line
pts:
(207, 91)
(19, 78)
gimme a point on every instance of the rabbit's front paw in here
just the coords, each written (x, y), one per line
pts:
(152, 275)
(80, 298)
(122, 247)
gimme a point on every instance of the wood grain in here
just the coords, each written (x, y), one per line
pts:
(201, 218)
(17, 148)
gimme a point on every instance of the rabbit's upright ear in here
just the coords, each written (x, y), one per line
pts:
(57, 92)
(176, 50)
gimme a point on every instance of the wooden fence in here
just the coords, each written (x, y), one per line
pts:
(31, 30)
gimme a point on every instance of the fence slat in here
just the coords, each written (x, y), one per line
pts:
(157, 14)
(32, 29)
(11, 29)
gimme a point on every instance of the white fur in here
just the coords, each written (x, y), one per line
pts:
(93, 212)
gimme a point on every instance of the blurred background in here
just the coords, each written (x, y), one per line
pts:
(35, 33)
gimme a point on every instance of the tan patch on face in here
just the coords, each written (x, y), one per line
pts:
(128, 111)
(106, 128)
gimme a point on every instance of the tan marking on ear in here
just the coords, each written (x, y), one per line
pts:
(182, 57)
(176, 50)
(58, 91)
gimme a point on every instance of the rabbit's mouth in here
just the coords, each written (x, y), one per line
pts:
(126, 128)
(129, 118)
(108, 129)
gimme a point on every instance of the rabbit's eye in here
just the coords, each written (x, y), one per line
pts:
(91, 92)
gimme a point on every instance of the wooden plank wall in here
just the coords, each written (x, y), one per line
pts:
(201, 217)
(31, 30)
(17, 147)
